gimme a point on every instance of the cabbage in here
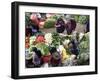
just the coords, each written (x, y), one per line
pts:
(43, 48)
(83, 57)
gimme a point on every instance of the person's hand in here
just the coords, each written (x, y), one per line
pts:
(58, 25)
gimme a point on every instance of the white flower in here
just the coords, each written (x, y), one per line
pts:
(81, 36)
(66, 42)
(48, 38)
(60, 48)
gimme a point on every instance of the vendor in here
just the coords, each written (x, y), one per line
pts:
(60, 25)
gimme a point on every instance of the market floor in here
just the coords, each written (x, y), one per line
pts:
(79, 28)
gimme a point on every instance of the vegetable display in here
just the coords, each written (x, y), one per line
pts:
(62, 46)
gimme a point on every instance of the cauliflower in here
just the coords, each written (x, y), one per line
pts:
(48, 38)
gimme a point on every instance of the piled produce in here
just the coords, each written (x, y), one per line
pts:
(55, 48)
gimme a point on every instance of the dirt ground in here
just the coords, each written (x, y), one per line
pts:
(79, 28)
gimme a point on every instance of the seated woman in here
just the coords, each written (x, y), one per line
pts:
(60, 25)
(56, 57)
(70, 26)
(32, 28)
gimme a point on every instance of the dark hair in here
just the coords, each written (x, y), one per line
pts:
(60, 19)
(70, 27)
(52, 50)
(62, 25)
(38, 52)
